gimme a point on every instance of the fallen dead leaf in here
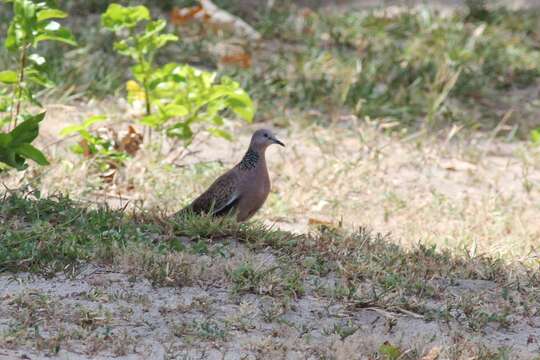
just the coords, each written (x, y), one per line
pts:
(181, 16)
(457, 165)
(130, 142)
(242, 60)
(432, 354)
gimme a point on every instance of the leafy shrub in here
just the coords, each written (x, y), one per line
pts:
(175, 96)
(32, 24)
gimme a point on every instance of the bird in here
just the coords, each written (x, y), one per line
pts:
(243, 189)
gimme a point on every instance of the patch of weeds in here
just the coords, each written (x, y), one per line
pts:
(248, 279)
(161, 268)
(13, 336)
(206, 329)
(91, 319)
(272, 309)
(342, 330)
(262, 280)
(293, 284)
(472, 311)
(33, 309)
(123, 343)
(316, 265)
(389, 351)
(200, 248)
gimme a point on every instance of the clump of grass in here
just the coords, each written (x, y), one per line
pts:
(49, 234)
(207, 330)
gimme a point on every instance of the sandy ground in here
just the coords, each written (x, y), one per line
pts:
(103, 313)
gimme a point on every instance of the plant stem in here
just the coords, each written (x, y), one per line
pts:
(148, 109)
(17, 94)
(147, 67)
(147, 99)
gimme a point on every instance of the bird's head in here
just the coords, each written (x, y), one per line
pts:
(263, 138)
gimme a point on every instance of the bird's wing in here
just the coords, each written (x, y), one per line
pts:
(222, 196)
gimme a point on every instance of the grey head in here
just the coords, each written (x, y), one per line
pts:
(263, 138)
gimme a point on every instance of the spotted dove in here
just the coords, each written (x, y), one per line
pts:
(244, 188)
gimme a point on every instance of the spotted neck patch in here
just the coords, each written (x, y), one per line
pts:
(249, 161)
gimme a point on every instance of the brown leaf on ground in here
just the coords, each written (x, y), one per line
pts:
(108, 176)
(181, 16)
(242, 60)
(432, 354)
(131, 142)
(457, 165)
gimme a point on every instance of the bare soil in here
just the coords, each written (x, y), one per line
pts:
(103, 313)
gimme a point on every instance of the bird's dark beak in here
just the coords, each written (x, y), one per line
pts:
(278, 142)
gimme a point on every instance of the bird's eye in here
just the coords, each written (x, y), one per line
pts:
(265, 135)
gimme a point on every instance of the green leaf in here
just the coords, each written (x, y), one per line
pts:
(27, 130)
(390, 351)
(24, 8)
(241, 104)
(60, 35)
(238, 100)
(50, 14)
(181, 131)
(8, 77)
(12, 39)
(220, 133)
(215, 106)
(5, 139)
(38, 77)
(535, 136)
(30, 152)
(12, 159)
(152, 120)
(154, 27)
(68, 130)
(15, 146)
(118, 17)
(174, 110)
(93, 119)
(162, 39)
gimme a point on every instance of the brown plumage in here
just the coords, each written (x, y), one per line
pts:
(244, 188)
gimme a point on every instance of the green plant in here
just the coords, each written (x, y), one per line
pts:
(175, 96)
(32, 24)
(102, 148)
(389, 351)
(535, 136)
(16, 147)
